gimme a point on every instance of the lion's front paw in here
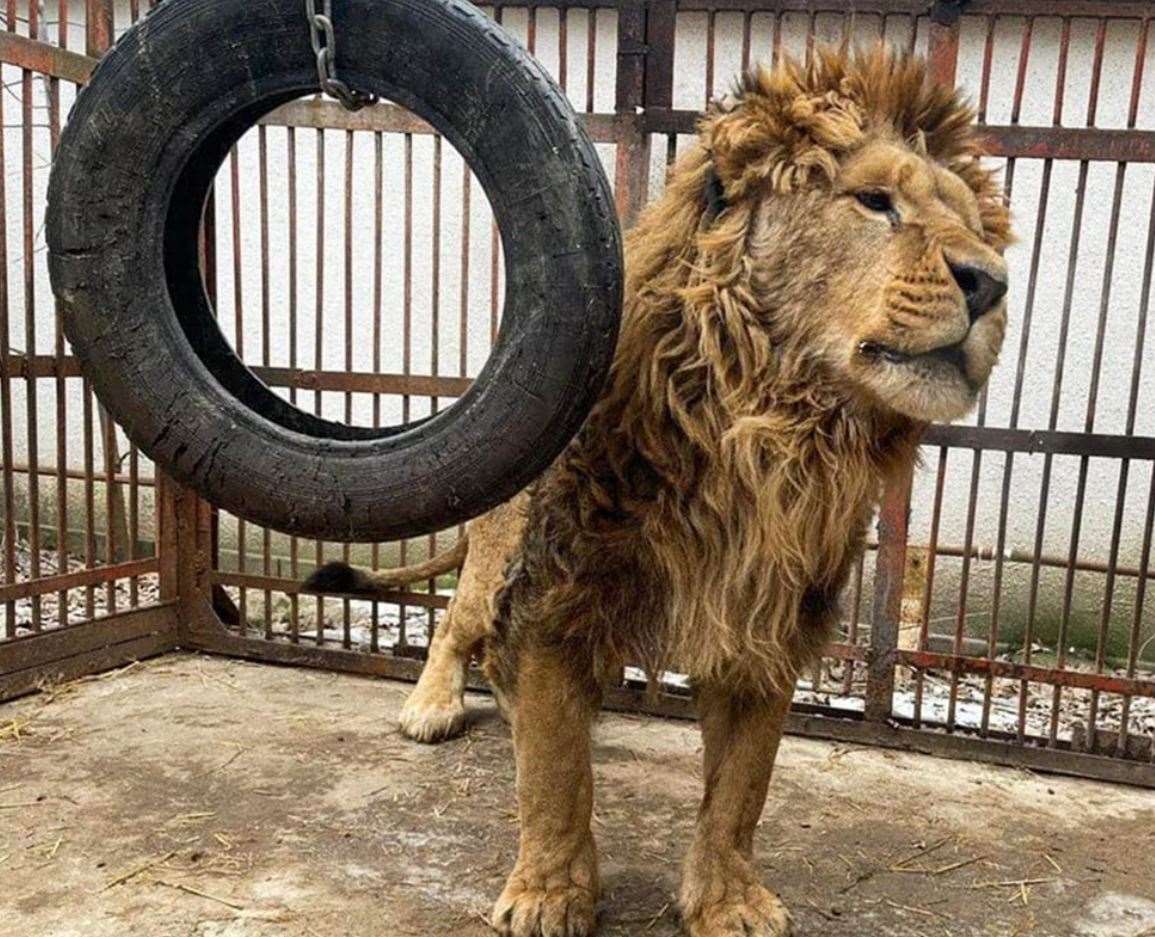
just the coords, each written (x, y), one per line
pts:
(426, 720)
(756, 913)
(562, 904)
(723, 899)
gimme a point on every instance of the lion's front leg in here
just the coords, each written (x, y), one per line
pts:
(552, 891)
(722, 895)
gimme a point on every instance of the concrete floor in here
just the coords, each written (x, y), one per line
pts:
(215, 798)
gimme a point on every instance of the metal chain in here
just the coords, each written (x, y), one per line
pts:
(325, 49)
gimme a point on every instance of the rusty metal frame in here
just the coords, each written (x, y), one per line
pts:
(202, 605)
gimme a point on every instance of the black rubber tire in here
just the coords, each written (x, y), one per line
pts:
(144, 142)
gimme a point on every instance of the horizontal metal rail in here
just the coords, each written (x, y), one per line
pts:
(44, 585)
(292, 587)
(45, 58)
(368, 382)
(1054, 442)
(321, 114)
(1077, 679)
(1070, 143)
(63, 654)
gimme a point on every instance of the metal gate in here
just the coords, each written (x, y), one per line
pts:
(1000, 613)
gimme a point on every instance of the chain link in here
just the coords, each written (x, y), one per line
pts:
(324, 41)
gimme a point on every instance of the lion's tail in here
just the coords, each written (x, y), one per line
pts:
(342, 579)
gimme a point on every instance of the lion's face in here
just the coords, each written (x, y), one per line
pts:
(906, 300)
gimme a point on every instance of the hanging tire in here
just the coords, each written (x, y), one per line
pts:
(135, 163)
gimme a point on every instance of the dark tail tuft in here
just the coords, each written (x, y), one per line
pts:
(337, 578)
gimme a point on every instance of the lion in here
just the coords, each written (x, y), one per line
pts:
(821, 278)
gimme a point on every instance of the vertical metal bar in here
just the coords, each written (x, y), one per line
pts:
(406, 336)
(266, 338)
(964, 577)
(852, 630)
(992, 634)
(346, 623)
(59, 352)
(747, 28)
(985, 81)
(711, 24)
(942, 52)
(89, 498)
(1124, 465)
(435, 332)
(632, 154)
(200, 534)
(463, 351)
(893, 518)
(239, 346)
(1032, 595)
(591, 57)
(7, 445)
(29, 259)
(562, 47)
(133, 519)
(108, 450)
(928, 585)
(1081, 485)
(294, 543)
(319, 335)
(661, 22)
(378, 248)
(98, 26)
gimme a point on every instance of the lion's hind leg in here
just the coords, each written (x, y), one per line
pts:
(435, 710)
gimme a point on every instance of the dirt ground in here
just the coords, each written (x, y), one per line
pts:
(214, 798)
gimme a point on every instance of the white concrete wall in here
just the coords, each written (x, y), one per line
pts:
(470, 323)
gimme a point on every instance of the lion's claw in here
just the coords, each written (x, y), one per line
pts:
(722, 897)
(550, 903)
(758, 913)
(537, 912)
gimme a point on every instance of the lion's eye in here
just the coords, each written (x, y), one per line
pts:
(875, 200)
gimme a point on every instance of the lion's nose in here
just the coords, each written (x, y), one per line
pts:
(982, 290)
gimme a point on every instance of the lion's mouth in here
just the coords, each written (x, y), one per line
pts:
(952, 355)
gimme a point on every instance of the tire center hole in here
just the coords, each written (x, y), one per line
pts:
(357, 273)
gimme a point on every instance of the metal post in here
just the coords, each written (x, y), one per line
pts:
(632, 163)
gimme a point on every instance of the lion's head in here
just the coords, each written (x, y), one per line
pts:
(841, 204)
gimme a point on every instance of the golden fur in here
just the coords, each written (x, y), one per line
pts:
(798, 302)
